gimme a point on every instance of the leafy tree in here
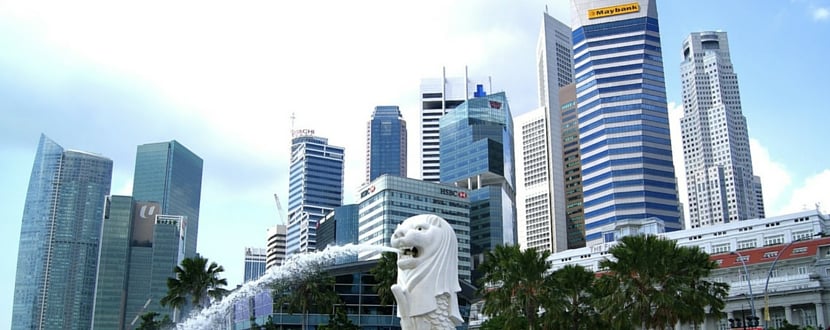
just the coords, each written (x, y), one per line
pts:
(198, 281)
(572, 300)
(148, 322)
(515, 285)
(654, 284)
(310, 291)
(339, 321)
(386, 275)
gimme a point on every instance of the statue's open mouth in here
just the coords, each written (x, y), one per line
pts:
(410, 251)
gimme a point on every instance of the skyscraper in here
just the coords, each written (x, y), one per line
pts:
(627, 169)
(385, 143)
(477, 154)
(170, 174)
(438, 97)
(139, 250)
(315, 188)
(254, 263)
(719, 178)
(539, 163)
(59, 237)
(574, 209)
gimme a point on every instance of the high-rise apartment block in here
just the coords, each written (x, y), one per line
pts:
(315, 188)
(389, 200)
(275, 250)
(477, 154)
(59, 239)
(540, 197)
(719, 178)
(254, 263)
(438, 97)
(170, 174)
(386, 143)
(627, 168)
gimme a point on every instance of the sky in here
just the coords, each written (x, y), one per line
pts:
(224, 78)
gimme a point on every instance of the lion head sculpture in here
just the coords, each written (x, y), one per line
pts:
(427, 264)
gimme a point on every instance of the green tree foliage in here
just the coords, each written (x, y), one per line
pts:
(310, 291)
(197, 280)
(339, 321)
(654, 284)
(515, 286)
(572, 300)
(386, 275)
(149, 322)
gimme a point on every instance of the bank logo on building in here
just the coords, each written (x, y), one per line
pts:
(627, 8)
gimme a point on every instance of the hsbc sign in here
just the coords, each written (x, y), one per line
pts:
(450, 192)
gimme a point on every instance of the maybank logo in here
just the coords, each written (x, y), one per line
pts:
(614, 10)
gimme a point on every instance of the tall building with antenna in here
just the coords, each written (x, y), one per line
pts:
(719, 179)
(315, 187)
(438, 97)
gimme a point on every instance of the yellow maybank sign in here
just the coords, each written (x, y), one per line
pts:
(614, 10)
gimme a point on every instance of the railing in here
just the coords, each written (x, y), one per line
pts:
(778, 283)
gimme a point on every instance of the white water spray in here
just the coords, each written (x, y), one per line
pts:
(211, 317)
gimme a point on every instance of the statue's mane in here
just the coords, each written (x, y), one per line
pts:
(436, 275)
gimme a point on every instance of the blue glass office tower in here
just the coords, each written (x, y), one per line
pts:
(171, 175)
(315, 188)
(59, 236)
(385, 143)
(627, 167)
(476, 153)
(254, 263)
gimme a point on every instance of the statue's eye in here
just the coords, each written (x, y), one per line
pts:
(419, 228)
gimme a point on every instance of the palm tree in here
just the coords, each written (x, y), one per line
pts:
(149, 322)
(572, 302)
(313, 290)
(386, 275)
(198, 281)
(653, 283)
(515, 285)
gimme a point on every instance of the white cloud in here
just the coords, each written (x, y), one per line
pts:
(815, 190)
(821, 13)
(775, 178)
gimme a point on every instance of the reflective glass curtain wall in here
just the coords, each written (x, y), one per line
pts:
(59, 238)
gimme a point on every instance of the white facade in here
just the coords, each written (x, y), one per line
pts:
(540, 187)
(439, 96)
(275, 251)
(713, 239)
(536, 221)
(719, 179)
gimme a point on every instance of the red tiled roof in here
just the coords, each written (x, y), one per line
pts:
(756, 256)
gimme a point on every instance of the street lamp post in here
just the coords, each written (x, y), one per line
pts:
(748, 283)
(766, 283)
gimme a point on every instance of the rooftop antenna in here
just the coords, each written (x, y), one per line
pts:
(292, 120)
(546, 9)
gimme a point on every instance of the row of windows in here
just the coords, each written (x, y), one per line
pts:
(627, 172)
(644, 183)
(626, 161)
(616, 50)
(611, 28)
(623, 129)
(626, 139)
(631, 194)
(589, 107)
(621, 119)
(626, 150)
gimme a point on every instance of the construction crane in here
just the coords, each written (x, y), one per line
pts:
(279, 208)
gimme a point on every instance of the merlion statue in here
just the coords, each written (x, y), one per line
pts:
(427, 274)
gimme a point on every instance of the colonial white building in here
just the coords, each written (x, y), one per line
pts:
(796, 287)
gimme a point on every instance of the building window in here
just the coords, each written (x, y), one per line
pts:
(747, 244)
(799, 250)
(720, 248)
(774, 240)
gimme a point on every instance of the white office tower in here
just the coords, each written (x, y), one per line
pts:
(719, 177)
(439, 96)
(540, 192)
(275, 250)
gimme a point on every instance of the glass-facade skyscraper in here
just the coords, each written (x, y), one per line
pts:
(386, 143)
(59, 238)
(139, 249)
(170, 174)
(627, 168)
(438, 97)
(254, 263)
(477, 154)
(315, 188)
(721, 185)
